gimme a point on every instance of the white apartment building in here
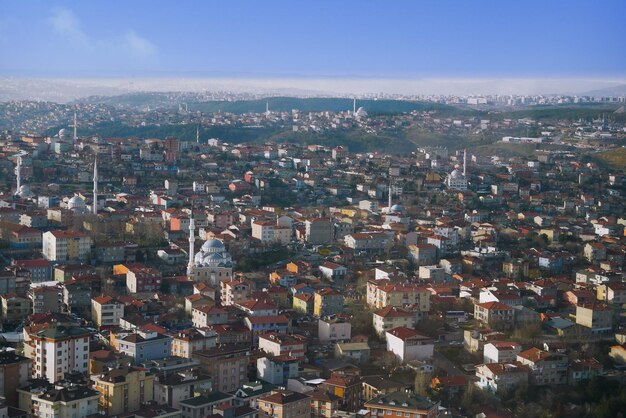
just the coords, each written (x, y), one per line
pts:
(68, 402)
(59, 350)
(65, 245)
(106, 311)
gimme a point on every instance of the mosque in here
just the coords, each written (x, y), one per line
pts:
(212, 264)
(457, 179)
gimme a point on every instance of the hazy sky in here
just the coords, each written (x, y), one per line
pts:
(410, 39)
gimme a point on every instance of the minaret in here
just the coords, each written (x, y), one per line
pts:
(390, 195)
(267, 108)
(18, 173)
(95, 187)
(354, 107)
(198, 134)
(75, 126)
(464, 162)
(192, 242)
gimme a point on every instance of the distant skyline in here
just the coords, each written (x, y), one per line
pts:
(370, 46)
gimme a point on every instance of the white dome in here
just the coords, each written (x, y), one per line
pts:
(397, 208)
(213, 254)
(213, 246)
(76, 203)
(455, 174)
(24, 191)
(62, 133)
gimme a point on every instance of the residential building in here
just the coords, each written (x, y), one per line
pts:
(598, 317)
(66, 402)
(501, 377)
(583, 370)
(204, 316)
(284, 404)
(373, 386)
(423, 254)
(280, 344)
(318, 231)
(59, 350)
(391, 317)
(401, 404)
(347, 389)
(357, 352)
(327, 302)
(277, 370)
(259, 325)
(227, 365)
(208, 405)
(380, 295)
(123, 389)
(45, 298)
(407, 344)
(303, 303)
(235, 291)
(141, 279)
(544, 367)
(143, 345)
(14, 307)
(333, 329)
(106, 311)
(172, 388)
(501, 352)
(249, 393)
(494, 314)
(15, 371)
(66, 245)
(323, 404)
(186, 342)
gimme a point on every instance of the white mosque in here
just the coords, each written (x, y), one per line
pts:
(457, 179)
(212, 264)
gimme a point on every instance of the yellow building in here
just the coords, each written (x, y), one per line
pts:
(123, 389)
(397, 295)
(65, 245)
(284, 404)
(327, 302)
(303, 302)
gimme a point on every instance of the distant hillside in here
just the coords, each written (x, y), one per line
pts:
(317, 104)
(282, 104)
(565, 112)
(615, 91)
(615, 158)
(355, 139)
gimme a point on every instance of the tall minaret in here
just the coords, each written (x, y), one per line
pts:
(390, 195)
(267, 108)
(198, 134)
(75, 126)
(464, 162)
(192, 242)
(95, 187)
(18, 173)
(354, 107)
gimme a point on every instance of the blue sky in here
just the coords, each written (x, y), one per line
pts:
(379, 39)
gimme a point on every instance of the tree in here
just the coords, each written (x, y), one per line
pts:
(422, 383)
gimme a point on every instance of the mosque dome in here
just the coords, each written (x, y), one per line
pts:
(24, 191)
(396, 208)
(76, 203)
(455, 174)
(213, 254)
(62, 133)
(213, 246)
